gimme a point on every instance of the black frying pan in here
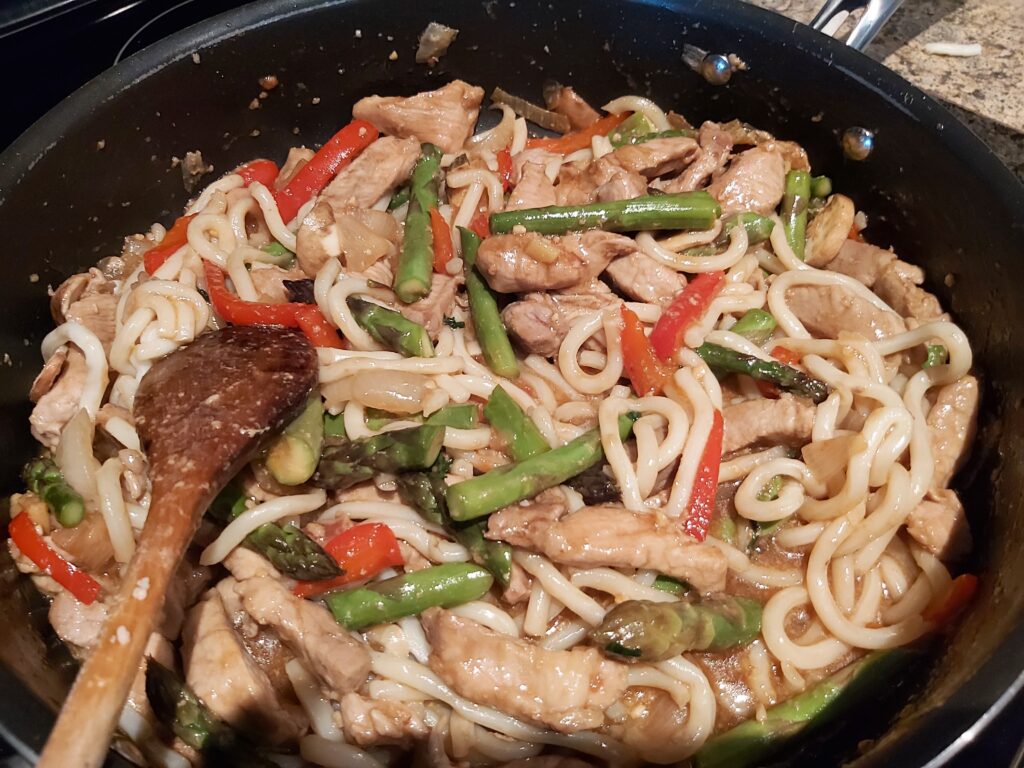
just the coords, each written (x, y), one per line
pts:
(931, 189)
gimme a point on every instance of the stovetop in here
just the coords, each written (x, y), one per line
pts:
(82, 38)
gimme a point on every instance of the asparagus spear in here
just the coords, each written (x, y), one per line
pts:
(44, 478)
(345, 463)
(686, 210)
(937, 355)
(191, 720)
(752, 742)
(771, 489)
(521, 436)
(424, 491)
(483, 307)
(781, 375)
(400, 198)
(334, 425)
(416, 261)
(287, 548)
(409, 594)
(756, 325)
(758, 227)
(821, 186)
(483, 494)
(281, 255)
(390, 328)
(794, 210)
(293, 456)
(460, 416)
(670, 585)
(640, 629)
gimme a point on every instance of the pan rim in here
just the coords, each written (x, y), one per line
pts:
(995, 682)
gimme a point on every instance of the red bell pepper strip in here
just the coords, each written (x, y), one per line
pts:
(505, 168)
(580, 139)
(960, 594)
(481, 222)
(338, 152)
(76, 581)
(362, 552)
(684, 311)
(705, 484)
(263, 171)
(175, 237)
(442, 239)
(240, 312)
(645, 371)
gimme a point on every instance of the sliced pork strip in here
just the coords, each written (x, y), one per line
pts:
(540, 321)
(534, 189)
(715, 147)
(656, 157)
(828, 310)
(602, 180)
(754, 181)
(939, 525)
(564, 690)
(377, 170)
(445, 117)
(861, 261)
(953, 421)
(430, 311)
(763, 421)
(898, 285)
(643, 279)
(565, 101)
(372, 723)
(610, 536)
(56, 406)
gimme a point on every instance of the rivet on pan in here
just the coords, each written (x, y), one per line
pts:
(858, 143)
(716, 69)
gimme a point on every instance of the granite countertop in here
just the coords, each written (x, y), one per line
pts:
(983, 91)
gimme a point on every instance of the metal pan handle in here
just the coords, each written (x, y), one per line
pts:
(876, 13)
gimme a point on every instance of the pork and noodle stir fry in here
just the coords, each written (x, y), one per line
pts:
(627, 448)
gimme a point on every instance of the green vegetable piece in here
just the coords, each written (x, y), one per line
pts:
(334, 425)
(756, 325)
(281, 255)
(671, 133)
(658, 631)
(345, 463)
(794, 210)
(783, 376)
(521, 436)
(487, 493)
(771, 489)
(459, 416)
(937, 355)
(391, 328)
(821, 186)
(43, 477)
(416, 260)
(483, 307)
(400, 198)
(670, 585)
(409, 594)
(194, 723)
(753, 742)
(630, 129)
(723, 527)
(686, 210)
(294, 454)
(759, 228)
(766, 530)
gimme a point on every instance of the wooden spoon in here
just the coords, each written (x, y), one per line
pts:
(201, 413)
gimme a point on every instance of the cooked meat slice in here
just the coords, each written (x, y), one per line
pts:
(444, 117)
(77, 623)
(87, 298)
(642, 278)
(371, 723)
(533, 262)
(715, 146)
(602, 180)
(861, 261)
(953, 421)
(899, 286)
(326, 649)
(534, 189)
(656, 157)
(541, 320)
(754, 181)
(297, 157)
(565, 690)
(229, 681)
(377, 170)
(57, 406)
(792, 153)
(432, 308)
(939, 525)
(762, 421)
(317, 240)
(565, 101)
(244, 564)
(829, 230)
(610, 536)
(268, 280)
(827, 310)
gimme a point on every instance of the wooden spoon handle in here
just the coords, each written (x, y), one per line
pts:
(82, 733)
